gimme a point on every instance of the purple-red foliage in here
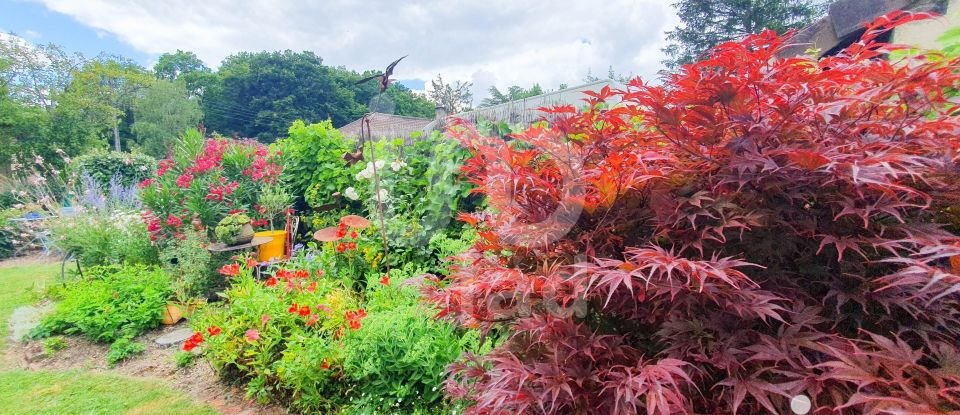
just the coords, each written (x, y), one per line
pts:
(754, 229)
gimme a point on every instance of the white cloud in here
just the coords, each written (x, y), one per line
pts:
(494, 42)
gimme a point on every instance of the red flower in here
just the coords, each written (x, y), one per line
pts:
(313, 320)
(341, 247)
(312, 287)
(304, 311)
(193, 341)
(293, 308)
(385, 279)
(319, 272)
(325, 365)
(184, 180)
(164, 166)
(271, 282)
(283, 274)
(264, 319)
(351, 245)
(146, 183)
(213, 331)
(251, 262)
(253, 335)
(301, 273)
(173, 221)
(231, 270)
(353, 234)
(354, 317)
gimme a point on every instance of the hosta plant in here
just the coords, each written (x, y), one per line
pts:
(753, 229)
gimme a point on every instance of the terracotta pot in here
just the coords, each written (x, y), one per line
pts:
(172, 314)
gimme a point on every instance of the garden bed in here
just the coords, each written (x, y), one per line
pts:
(197, 381)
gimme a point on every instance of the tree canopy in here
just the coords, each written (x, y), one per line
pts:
(455, 97)
(513, 93)
(165, 110)
(707, 23)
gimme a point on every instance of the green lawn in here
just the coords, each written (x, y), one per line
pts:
(21, 285)
(77, 392)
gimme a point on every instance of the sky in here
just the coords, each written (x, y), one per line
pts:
(489, 43)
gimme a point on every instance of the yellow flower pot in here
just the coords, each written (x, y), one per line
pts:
(275, 249)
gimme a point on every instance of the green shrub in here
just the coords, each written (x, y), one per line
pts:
(340, 356)
(102, 238)
(190, 264)
(128, 168)
(313, 161)
(122, 349)
(109, 303)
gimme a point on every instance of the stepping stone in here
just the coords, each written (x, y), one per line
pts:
(174, 337)
(25, 318)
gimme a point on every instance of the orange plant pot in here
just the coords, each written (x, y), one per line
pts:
(171, 314)
(273, 250)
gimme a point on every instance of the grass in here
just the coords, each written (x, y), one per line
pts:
(76, 392)
(22, 285)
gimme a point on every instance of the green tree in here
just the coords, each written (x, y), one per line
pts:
(406, 102)
(185, 66)
(29, 127)
(707, 23)
(455, 98)
(34, 74)
(163, 111)
(261, 94)
(513, 93)
(104, 91)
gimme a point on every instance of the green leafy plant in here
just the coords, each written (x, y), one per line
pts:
(104, 237)
(314, 163)
(303, 335)
(123, 349)
(109, 303)
(53, 345)
(190, 264)
(184, 359)
(274, 201)
(231, 227)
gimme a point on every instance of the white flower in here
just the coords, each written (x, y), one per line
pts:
(38, 160)
(397, 165)
(380, 164)
(383, 195)
(351, 193)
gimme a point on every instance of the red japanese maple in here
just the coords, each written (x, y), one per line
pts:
(754, 229)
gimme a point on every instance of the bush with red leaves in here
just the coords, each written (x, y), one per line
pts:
(756, 228)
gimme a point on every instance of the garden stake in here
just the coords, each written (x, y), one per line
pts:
(376, 188)
(384, 79)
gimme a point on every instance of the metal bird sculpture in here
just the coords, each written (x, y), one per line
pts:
(384, 78)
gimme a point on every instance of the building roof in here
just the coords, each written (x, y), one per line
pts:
(521, 111)
(386, 125)
(845, 20)
(525, 111)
